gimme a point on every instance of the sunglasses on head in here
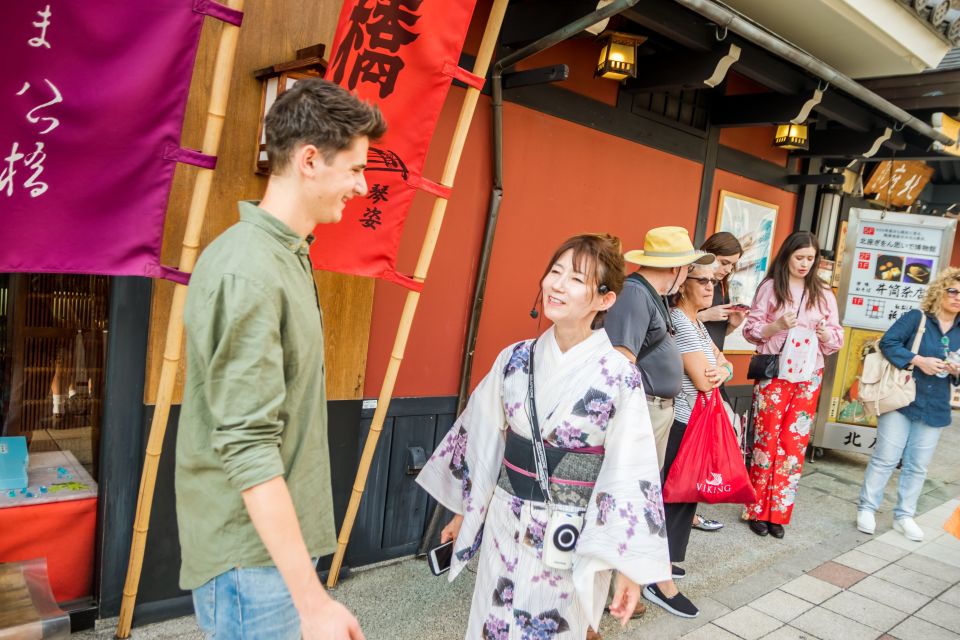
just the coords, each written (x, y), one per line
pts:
(705, 281)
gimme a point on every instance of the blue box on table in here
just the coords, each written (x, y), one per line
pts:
(13, 463)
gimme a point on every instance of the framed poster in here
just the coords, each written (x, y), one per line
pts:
(753, 222)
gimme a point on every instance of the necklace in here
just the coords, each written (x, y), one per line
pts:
(696, 323)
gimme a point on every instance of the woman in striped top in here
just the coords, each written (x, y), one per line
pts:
(704, 368)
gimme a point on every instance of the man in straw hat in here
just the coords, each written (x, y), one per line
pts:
(254, 502)
(639, 323)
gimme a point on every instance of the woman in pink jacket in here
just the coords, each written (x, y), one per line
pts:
(790, 296)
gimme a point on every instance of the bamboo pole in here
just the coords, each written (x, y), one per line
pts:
(484, 55)
(173, 346)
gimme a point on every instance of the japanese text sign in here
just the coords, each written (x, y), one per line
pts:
(91, 107)
(892, 264)
(898, 183)
(401, 55)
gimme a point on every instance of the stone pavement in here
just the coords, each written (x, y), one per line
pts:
(889, 587)
(823, 580)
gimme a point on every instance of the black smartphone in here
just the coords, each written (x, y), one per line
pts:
(439, 558)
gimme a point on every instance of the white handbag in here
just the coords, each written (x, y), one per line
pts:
(884, 387)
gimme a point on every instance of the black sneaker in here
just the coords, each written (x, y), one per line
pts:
(678, 605)
(678, 572)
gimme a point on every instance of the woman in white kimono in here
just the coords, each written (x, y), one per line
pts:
(602, 462)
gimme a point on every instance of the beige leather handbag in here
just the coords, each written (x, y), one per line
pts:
(885, 388)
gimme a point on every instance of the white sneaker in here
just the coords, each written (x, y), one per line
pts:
(909, 528)
(866, 522)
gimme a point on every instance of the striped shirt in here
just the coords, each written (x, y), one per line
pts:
(689, 339)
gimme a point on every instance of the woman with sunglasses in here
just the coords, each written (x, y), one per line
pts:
(910, 434)
(791, 295)
(704, 369)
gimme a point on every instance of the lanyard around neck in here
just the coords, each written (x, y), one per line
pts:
(539, 452)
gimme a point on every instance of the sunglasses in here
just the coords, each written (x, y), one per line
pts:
(953, 293)
(706, 281)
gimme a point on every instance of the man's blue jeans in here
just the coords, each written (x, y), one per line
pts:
(249, 603)
(898, 438)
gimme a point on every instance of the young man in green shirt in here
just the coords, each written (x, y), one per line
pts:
(254, 504)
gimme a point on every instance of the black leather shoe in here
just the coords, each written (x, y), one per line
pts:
(776, 530)
(759, 527)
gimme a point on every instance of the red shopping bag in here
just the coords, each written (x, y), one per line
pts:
(709, 466)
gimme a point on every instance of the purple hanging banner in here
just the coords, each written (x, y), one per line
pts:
(92, 100)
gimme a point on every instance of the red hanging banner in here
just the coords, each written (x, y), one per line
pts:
(401, 55)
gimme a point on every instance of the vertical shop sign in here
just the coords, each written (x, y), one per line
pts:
(889, 260)
(92, 98)
(898, 182)
(401, 55)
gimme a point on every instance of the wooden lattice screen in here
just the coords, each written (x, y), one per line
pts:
(56, 332)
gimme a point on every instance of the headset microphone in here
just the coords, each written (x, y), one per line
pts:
(533, 310)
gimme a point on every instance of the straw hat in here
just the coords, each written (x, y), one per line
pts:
(667, 247)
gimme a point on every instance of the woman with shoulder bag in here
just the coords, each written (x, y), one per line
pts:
(911, 433)
(704, 369)
(791, 302)
(552, 467)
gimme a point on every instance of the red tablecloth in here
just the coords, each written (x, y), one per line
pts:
(61, 532)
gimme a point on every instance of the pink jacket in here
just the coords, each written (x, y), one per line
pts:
(764, 311)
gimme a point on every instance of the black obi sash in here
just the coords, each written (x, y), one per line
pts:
(572, 473)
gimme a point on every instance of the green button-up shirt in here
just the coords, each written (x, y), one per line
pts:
(254, 402)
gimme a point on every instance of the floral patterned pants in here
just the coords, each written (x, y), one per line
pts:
(783, 414)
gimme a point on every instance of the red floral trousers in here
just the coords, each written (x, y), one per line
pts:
(783, 414)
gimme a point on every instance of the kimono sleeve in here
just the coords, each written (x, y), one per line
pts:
(624, 526)
(463, 470)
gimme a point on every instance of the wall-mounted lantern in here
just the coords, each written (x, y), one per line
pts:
(792, 137)
(277, 79)
(618, 57)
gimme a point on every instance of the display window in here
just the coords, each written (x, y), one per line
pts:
(53, 341)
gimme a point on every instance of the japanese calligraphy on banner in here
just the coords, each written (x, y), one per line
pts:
(401, 55)
(91, 106)
(892, 259)
(898, 183)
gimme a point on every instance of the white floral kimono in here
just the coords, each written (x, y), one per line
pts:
(590, 396)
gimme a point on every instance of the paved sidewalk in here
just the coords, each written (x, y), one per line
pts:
(888, 587)
(822, 581)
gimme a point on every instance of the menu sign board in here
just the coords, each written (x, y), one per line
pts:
(891, 265)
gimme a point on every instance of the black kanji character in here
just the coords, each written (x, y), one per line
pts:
(378, 192)
(387, 30)
(353, 39)
(376, 67)
(371, 218)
